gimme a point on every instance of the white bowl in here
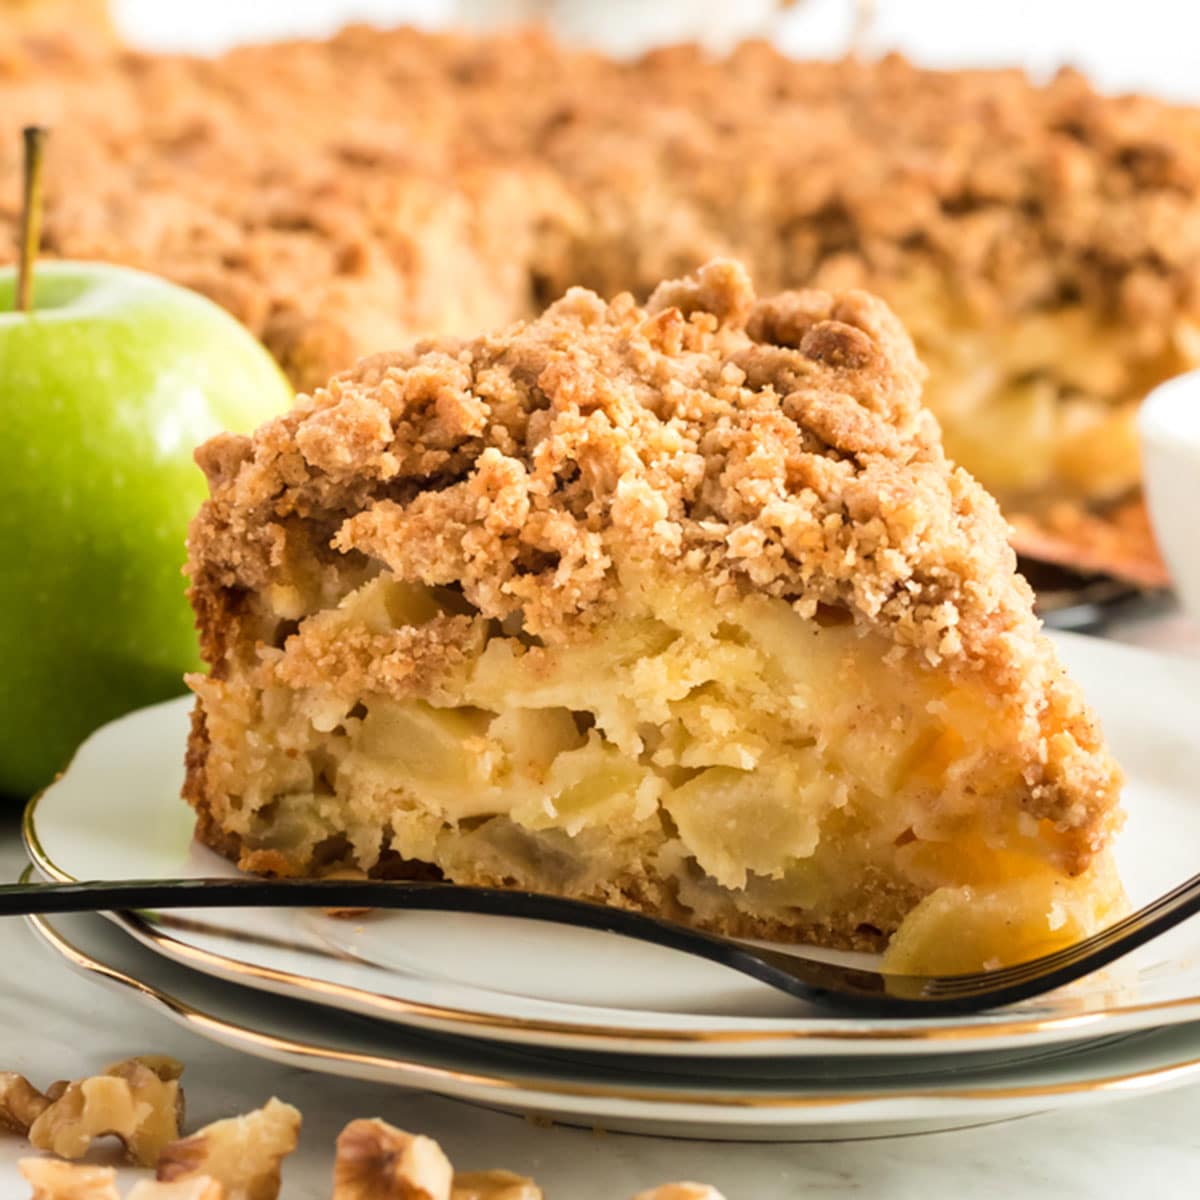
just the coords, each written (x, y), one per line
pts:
(1169, 425)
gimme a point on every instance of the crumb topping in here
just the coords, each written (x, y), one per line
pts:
(775, 444)
(337, 196)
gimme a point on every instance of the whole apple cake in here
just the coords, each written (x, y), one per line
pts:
(1041, 242)
(680, 607)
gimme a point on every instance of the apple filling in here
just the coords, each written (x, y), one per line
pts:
(749, 768)
(1040, 406)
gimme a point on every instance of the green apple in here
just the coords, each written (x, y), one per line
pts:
(106, 387)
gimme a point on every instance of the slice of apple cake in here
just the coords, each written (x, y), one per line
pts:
(678, 607)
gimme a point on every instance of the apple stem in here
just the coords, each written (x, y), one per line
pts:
(34, 137)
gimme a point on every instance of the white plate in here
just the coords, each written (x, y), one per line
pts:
(732, 1099)
(115, 814)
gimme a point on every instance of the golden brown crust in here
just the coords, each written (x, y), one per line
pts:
(342, 197)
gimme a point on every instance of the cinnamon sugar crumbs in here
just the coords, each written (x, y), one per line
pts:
(345, 195)
(777, 445)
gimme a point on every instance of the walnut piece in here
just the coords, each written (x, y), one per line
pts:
(243, 1154)
(680, 1191)
(376, 1161)
(136, 1100)
(20, 1102)
(163, 1065)
(53, 1179)
(197, 1187)
(493, 1185)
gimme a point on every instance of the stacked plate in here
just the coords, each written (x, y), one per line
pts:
(592, 1029)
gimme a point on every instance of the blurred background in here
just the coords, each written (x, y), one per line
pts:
(1151, 45)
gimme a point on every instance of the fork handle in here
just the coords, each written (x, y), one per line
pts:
(806, 979)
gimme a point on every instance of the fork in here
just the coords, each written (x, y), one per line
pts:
(850, 989)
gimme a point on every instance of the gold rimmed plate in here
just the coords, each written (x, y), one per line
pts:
(732, 1099)
(115, 814)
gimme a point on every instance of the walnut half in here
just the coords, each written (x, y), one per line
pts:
(136, 1100)
(53, 1179)
(376, 1161)
(243, 1154)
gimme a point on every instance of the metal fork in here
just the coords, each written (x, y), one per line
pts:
(830, 985)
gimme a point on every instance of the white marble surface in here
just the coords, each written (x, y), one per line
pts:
(57, 1024)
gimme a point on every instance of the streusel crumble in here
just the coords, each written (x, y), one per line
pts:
(1041, 243)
